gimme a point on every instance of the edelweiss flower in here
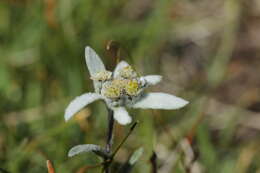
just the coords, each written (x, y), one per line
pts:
(121, 88)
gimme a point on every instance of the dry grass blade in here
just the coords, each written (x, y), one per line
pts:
(50, 167)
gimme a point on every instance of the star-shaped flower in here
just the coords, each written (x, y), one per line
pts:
(121, 88)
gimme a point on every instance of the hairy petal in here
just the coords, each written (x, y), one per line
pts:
(160, 101)
(119, 66)
(80, 102)
(121, 115)
(151, 79)
(93, 61)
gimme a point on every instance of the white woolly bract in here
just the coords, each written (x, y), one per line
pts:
(160, 101)
(152, 79)
(121, 115)
(80, 102)
(119, 66)
(94, 63)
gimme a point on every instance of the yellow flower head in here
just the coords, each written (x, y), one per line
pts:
(111, 91)
(114, 88)
(117, 87)
(132, 87)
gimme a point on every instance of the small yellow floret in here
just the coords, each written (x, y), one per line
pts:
(119, 83)
(132, 87)
(117, 87)
(114, 88)
(127, 72)
(112, 92)
(102, 76)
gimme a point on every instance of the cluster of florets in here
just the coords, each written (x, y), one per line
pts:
(123, 89)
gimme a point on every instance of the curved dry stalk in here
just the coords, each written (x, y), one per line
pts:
(50, 167)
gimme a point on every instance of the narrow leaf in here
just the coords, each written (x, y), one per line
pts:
(128, 166)
(87, 148)
(136, 155)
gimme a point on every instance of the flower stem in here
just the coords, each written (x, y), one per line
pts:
(108, 160)
(110, 130)
(125, 138)
(109, 141)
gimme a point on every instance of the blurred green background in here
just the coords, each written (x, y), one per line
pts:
(207, 51)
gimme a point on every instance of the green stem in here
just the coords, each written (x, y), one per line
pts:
(125, 138)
